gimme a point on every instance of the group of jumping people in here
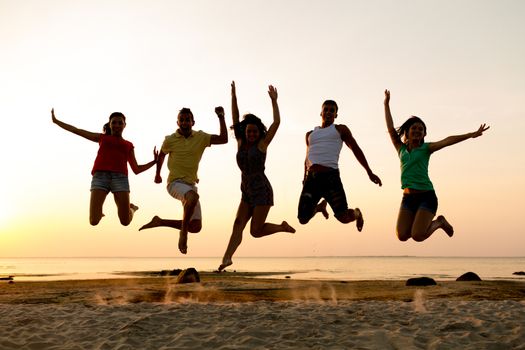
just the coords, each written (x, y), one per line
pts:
(321, 183)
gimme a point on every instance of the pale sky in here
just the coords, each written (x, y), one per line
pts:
(456, 64)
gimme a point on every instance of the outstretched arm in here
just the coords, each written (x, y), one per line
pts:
(137, 169)
(223, 136)
(92, 136)
(272, 91)
(451, 140)
(394, 137)
(349, 140)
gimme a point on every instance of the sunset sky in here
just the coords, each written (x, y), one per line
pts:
(456, 64)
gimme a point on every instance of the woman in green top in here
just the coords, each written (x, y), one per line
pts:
(419, 204)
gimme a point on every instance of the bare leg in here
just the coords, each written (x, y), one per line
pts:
(352, 215)
(191, 199)
(244, 213)
(444, 224)
(95, 206)
(158, 222)
(405, 220)
(424, 227)
(194, 226)
(125, 208)
(260, 228)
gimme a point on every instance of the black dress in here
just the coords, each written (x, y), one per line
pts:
(255, 187)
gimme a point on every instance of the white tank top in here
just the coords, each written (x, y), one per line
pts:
(324, 147)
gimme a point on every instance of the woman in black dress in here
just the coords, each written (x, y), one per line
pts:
(257, 195)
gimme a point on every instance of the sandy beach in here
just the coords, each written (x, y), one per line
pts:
(234, 310)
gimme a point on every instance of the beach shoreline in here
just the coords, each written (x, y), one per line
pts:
(247, 311)
(246, 287)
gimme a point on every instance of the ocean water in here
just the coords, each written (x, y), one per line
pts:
(311, 268)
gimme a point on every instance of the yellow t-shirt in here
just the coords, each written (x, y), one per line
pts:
(185, 155)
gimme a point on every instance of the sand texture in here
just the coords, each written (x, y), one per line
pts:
(232, 311)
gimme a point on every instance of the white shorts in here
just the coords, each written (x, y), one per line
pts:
(178, 189)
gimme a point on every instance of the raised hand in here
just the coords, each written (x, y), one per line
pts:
(220, 111)
(480, 131)
(234, 94)
(272, 91)
(155, 154)
(387, 97)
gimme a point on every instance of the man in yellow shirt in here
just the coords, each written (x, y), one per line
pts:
(184, 149)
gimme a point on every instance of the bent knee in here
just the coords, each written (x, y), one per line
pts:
(191, 196)
(256, 230)
(403, 238)
(94, 222)
(419, 237)
(303, 221)
(345, 219)
(194, 226)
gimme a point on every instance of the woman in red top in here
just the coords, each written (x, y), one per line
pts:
(110, 171)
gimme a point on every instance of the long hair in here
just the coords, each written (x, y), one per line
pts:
(106, 127)
(240, 128)
(402, 131)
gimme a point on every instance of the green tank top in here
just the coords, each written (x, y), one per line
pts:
(414, 168)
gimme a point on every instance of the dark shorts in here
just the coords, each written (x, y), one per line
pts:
(416, 201)
(319, 185)
(110, 182)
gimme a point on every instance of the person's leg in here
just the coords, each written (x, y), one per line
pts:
(424, 226)
(156, 221)
(309, 201)
(244, 213)
(335, 196)
(191, 198)
(405, 220)
(260, 228)
(321, 208)
(95, 206)
(125, 208)
(187, 194)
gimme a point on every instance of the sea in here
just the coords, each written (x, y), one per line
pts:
(343, 268)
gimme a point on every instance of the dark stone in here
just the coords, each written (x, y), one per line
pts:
(519, 273)
(469, 276)
(189, 275)
(420, 281)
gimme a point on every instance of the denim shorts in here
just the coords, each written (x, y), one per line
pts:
(424, 200)
(110, 182)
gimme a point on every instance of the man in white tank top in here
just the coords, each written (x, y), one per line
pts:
(321, 171)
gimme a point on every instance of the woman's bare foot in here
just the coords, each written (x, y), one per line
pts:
(321, 208)
(446, 226)
(225, 264)
(183, 241)
(133, 207)
(287, 227)
(359, 221)
(155, 222)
